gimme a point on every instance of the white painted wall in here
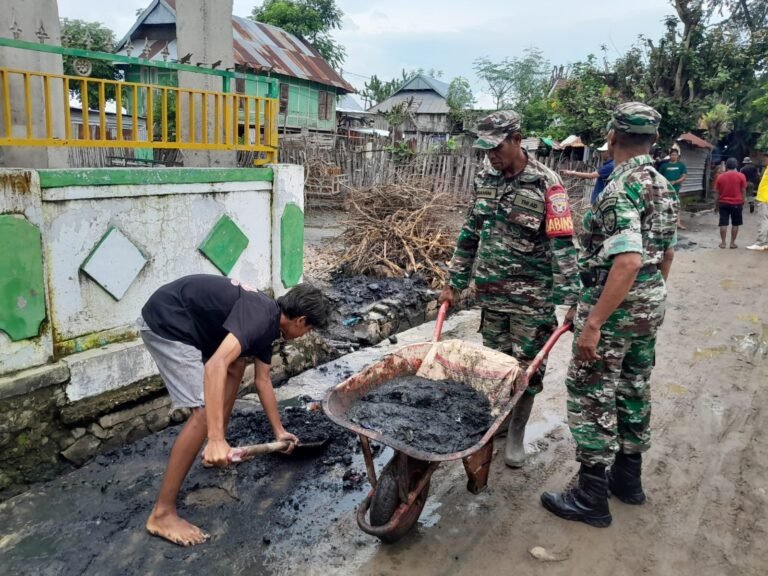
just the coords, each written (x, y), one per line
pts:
(167, 226)
(167, 223)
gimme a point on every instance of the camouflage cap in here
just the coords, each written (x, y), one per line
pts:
(493, 129)
(635, 118)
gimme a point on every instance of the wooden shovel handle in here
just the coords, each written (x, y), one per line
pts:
(244, 453)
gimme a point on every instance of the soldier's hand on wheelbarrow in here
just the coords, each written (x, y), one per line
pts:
(283, 436)
(587, 343)
(446, 295)
(215, 454)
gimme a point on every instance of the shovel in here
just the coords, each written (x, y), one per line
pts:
(245, 453)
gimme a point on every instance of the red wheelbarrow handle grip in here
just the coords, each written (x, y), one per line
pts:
(544, 352)
(440, 319)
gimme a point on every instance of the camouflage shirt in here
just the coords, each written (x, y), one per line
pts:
(519, 267)
(637, 212)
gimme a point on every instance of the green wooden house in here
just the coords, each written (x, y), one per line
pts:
(308, 86)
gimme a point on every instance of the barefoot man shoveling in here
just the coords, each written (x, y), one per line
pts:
(199, 329)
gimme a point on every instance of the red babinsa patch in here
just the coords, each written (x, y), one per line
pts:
(559, 219)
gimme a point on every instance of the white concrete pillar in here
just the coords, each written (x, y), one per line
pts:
(32, 18)
(287, 226)
(204, 29)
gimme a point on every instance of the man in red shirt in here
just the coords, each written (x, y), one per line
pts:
(730, 194)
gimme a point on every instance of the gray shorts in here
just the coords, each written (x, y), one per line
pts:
(180, 365)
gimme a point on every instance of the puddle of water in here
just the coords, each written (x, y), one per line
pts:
(752, 346)
(540, 428)
(429, 516)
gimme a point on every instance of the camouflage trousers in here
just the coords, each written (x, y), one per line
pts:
(609, 400)
(519, 335)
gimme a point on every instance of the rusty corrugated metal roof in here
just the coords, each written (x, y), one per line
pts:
(695, 141)
(265, 48)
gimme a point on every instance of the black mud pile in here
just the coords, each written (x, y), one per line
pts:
(92, 520)
(350, 294)
(437, 416)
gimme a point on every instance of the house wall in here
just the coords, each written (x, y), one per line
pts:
(303, 96)
(303, 106)
(86, 250)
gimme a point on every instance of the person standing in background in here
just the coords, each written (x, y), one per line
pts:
(602, 174)
(752, 174)
(730, 194)
(676, 172)
(762, 215)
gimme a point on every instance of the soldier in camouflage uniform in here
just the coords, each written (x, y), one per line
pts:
(625, 258)
(517, 245)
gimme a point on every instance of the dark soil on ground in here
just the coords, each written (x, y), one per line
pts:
(97, 526)
(437, 416)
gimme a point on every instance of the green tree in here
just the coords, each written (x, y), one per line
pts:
(460, 100)
(584, 105)
(498, 77)
(515, 82)
(313, 20)
(89, 36)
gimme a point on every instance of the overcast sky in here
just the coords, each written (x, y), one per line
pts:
(384, 36)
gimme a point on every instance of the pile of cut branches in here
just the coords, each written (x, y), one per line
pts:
(396, 230)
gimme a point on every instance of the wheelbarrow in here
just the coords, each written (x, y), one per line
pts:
(398, 495)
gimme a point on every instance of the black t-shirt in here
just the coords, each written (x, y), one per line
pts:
(200, 310)
(751, 173)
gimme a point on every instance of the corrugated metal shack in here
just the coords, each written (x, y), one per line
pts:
(694, 153)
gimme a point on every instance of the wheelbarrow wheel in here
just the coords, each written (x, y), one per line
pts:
(386, 499)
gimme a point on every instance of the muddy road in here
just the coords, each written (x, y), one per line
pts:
(706, 515)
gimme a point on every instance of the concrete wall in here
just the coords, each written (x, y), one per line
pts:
(110, 237)
(96, 244)
(29, 16)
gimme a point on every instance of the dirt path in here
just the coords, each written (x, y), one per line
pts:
(707, 513)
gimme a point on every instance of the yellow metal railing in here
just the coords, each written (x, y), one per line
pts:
(36, 110)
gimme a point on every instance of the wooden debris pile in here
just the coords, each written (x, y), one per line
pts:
(396, 230)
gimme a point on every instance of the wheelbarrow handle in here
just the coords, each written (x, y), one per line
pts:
(544, 352)
(440, 319)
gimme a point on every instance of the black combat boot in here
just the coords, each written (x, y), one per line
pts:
(587, 502)
(624, 478)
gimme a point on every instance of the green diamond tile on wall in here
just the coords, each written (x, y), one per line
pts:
(224, 244)
(291, 245)
(114, 263)
(22, 288)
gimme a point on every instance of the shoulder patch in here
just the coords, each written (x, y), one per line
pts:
(559, 219)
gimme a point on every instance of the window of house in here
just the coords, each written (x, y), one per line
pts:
(284, 91)
(324, 105)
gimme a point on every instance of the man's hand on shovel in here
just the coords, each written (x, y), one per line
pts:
(287, 436)
(216, 454)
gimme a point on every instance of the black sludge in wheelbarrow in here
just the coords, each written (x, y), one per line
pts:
(437, 416)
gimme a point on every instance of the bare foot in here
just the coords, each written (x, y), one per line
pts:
(681, 227)
(175, 529)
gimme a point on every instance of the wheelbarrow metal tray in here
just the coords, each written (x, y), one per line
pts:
(405, 362)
